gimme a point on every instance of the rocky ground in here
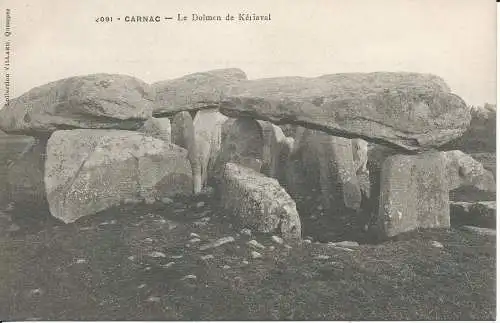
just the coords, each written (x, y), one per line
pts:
(185, 261)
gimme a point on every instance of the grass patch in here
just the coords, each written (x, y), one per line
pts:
(100, 268)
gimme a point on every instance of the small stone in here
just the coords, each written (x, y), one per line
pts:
(147, 268)
(194, 235)
(35, 292)
(141, 286)
(321, 257)
(246, 232)
(255, 255)
(157, 254)
(149, 200)
(131, 258)
(154, 299)
(200, 204)
(202, 222)
(256, 244)
(81, 261)
(188, 277)
(277, 239)
(319, 207)
(271, 248)
(176, 256)
(437, 244)
(245, 262)
(207, 257)
(148, 240)
(207, 190)
(194, 240)
(13, 228)
(347, 244)
(226, 267)
(307, 241)
(170, 264)
(167, 200)
(217, 243)
(113, 222)
(342, 248)
(187, 245)
(171, 225)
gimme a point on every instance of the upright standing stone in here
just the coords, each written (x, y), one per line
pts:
(413, 194)
(11, 147)
(26, 173)
(360, 155)
(332, 158)
(159, 128)
(273, 137)
(183, 136)
(207, 132)
(243, 144)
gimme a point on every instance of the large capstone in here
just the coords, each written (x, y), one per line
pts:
(408, 111)
(97, 101)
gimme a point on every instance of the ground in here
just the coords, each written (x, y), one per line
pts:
(133, 263)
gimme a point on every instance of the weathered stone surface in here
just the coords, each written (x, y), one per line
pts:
(159, 128)
(328, 162)
(480, 136)
(273, 137)
(97, 101)
(481, 214)
(258, 201)
(488, 160)
(409, 111)
(26, 174)
(360, 155)
(286, 147)
(182, 129)
(413, 194)
(88, 171)
(183, 136)
(11, 148)
(208, 132)
(243, 145)
(463, 170)
(192, 91)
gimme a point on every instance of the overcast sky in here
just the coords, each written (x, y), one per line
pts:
(455, 39)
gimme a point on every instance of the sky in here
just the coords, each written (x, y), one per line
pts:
(455, 39)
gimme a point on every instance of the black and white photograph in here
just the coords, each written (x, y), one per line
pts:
(286, 160)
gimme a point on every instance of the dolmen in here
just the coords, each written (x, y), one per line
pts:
(411, 114)
(368, 143)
